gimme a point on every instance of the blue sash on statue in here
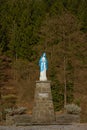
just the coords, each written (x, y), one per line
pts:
(43, 64)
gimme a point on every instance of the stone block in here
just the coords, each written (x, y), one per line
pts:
(18, 119)
(67, 118)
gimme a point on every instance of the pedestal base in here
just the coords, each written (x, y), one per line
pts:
(43, 110)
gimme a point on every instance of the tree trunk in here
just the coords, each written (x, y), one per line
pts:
(65, 91)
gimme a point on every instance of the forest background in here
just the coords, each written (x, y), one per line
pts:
(27, 29)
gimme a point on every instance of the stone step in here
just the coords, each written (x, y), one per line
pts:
(67, 118)
(18, 119)
(22, 118)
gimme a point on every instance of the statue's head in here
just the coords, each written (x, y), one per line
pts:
(44, 54)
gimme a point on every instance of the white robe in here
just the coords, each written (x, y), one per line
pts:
(43, 73)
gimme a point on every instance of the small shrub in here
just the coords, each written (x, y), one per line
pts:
(18, 111)
(72, 109)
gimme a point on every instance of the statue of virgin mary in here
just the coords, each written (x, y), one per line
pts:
(43, 63)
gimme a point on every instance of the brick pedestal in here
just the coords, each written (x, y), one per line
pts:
(43, 110)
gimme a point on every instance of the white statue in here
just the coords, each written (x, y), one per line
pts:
(43, 63)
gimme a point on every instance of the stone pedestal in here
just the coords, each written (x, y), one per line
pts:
(43, 110)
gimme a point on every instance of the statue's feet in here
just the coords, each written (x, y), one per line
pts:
(43, 78)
